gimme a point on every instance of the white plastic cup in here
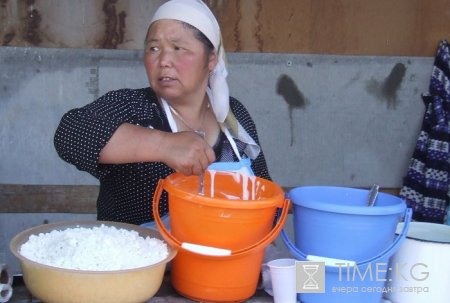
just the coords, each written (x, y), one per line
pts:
(282, 274)
(5, 292)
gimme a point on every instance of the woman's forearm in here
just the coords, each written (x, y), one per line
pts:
(183, 151)
(132, 143)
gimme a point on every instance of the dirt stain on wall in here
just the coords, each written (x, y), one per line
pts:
(21, 20)
(236, 30)
(294, 98)
(393, 82)
(246, 23)
(387, 89)
(32, 23)
(8, 35)
(114, 25)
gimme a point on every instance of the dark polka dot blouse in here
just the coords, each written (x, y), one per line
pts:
(126, 190)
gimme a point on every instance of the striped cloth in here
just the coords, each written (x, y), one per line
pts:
(426, 187)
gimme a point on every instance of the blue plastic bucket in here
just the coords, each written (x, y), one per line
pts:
(335, 225)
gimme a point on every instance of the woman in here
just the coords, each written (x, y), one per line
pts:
(185, 120)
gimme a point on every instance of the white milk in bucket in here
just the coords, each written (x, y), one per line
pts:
(420, 269)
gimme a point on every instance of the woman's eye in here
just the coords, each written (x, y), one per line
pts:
(153, 49)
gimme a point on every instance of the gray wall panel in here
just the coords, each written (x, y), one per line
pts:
(355, 120)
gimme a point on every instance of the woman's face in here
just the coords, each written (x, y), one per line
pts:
(177, 63)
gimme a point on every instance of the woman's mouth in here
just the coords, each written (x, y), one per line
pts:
(165, 79)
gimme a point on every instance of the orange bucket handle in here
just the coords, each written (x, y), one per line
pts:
(175, 242)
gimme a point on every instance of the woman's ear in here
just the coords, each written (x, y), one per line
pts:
(212, 61)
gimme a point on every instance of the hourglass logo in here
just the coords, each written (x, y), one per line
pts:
(310, 277)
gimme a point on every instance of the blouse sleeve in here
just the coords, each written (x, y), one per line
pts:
(83, 132)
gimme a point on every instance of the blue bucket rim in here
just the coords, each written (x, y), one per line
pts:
(397, 208)
(387, 253)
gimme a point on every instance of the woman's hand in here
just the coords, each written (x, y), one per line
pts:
(186, 152)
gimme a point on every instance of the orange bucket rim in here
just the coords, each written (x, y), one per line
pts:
(275, 200)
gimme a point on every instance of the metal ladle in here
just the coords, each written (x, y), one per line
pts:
(201, 177)
(373, 195)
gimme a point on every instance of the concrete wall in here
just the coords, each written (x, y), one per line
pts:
(336, 120)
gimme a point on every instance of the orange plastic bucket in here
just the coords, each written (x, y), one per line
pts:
(243, 227)
(221, 217)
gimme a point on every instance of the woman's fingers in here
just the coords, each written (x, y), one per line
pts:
(190, 154)
(204, 159)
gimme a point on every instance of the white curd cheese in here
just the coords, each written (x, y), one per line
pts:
(103, 248)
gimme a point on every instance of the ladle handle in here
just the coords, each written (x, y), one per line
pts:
(373, 195)
(201, 177)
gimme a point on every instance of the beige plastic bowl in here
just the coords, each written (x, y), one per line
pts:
(56, 285)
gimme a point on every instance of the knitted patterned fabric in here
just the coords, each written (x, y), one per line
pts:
(427, 183)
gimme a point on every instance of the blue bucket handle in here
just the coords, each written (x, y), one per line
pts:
(387, 252)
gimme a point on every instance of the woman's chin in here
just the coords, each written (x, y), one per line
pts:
(167, 94)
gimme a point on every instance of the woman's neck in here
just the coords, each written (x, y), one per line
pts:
(201, 119)
(190, 116)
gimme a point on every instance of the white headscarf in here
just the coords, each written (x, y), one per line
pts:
(197, 14)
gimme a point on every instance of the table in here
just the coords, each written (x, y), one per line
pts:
(166, 294)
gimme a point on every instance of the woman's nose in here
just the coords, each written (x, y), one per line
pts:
(165, 59)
